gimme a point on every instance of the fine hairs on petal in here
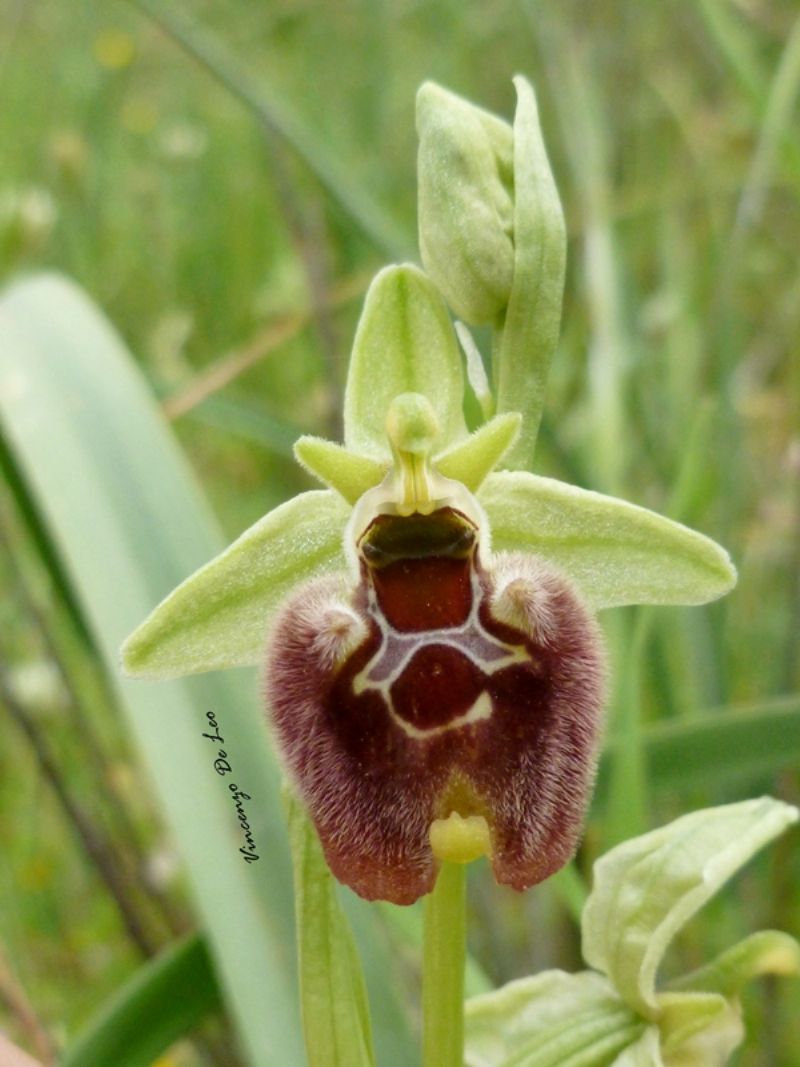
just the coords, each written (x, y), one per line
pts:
(496, 713)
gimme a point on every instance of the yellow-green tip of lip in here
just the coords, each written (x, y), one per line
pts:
(460, 840)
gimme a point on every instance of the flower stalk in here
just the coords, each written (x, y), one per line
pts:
(444, 956)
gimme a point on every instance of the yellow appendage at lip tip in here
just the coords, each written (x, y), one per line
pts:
(460, 840)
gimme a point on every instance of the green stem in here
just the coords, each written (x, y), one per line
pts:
(444, 955)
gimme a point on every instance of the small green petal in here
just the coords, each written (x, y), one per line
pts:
(348, 473)
(405, 343)
(646, 889)
(218, 617)
(617, 553)
(472, 460)
(548, 1020)
(767, 952)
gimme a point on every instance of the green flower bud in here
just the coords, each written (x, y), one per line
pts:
(466, 203)
(493, 240)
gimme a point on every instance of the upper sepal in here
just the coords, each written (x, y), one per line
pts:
(218, 617)
(405, 343)
(617, 553)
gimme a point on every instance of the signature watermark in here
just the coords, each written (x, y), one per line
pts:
(223, 767)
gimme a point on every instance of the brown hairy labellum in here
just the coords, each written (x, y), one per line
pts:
(439, 681)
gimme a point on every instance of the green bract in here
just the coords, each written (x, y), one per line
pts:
(644, 892)
(614, 552)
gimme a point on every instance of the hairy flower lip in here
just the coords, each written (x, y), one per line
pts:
(446, 706)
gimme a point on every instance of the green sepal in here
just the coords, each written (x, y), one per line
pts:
(333, 994)
(616, 553)
(471, 461)
(647, 889)
(218, 617)
(350, 474)
(405, 343)
(547, 1020)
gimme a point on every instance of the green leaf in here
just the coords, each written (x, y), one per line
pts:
(335, 1010)
(163, 1001)
(524, 346)
(128, 521)
(405, 343)
(348, 473)
(552, 1019)
(472, 460)
(218, 617)
(617, 553)
(647, 889)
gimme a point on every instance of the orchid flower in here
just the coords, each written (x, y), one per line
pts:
(425, 625)
(429, 622)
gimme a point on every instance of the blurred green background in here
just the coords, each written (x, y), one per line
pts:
(227, 213)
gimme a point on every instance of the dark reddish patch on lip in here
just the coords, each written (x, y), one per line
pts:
(420, 567)
(373, 786)
(438, 685)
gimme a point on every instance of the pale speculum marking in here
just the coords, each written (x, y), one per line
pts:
(425, 677)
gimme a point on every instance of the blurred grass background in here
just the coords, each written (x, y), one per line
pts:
(235, 277)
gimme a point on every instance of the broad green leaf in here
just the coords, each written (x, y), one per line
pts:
(549, 1020)
(335, 1011)
(127, 521)
(645, 890)
(348, 473)
(472, 460)
(617, 553)
(525, 343)
(218, 617)
(163, 1001)
(405, 343)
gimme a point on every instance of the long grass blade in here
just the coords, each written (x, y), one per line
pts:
(127, 521)
(164, 1000)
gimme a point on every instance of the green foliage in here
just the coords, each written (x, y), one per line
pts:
(333, 996)
(644, 892)
(163, 1001)
(146, 181)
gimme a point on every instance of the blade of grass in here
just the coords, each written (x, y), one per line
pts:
(719, 747)
(164, 1000)
(279, 117)
(127, 520)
